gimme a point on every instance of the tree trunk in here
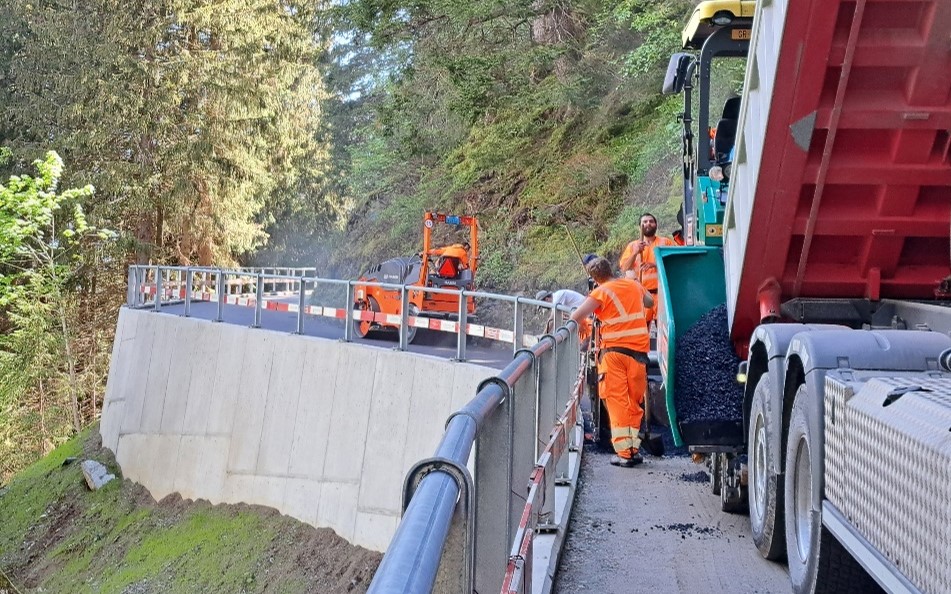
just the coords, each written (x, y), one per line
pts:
(70, 366)
(44, 437)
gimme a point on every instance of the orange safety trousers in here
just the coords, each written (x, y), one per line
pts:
(622, 385)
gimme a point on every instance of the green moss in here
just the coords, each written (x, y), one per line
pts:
(35, 490)
(190, 555)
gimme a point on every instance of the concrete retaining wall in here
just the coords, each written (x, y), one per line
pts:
(322, 430)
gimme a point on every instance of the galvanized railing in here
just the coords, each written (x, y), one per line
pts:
(159, 286)
(471, 517)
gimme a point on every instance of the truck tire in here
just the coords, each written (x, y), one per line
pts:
(818, 563)
(765, 490)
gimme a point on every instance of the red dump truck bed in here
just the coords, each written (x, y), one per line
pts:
(842, 180)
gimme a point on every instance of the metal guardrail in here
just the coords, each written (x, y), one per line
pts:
(157, 286)
(462, 535)
(457, 534)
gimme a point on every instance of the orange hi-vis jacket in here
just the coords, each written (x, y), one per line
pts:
(647, 275)
(621, 312)
(622, 380)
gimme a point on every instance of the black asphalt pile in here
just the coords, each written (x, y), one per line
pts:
(695, 477)
(707, 389)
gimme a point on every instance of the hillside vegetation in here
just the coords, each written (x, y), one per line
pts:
(531, 115)
(57, 536)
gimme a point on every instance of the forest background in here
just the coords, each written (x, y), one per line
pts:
(295, 133)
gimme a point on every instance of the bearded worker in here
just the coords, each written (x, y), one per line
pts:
(638, 260)
(619, 304)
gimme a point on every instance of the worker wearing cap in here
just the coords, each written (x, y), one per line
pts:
(566, 298)
(638, 260)
(619, 304)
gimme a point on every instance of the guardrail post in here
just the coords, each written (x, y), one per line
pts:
(452, 576)
(524, 451)
(404, 318)
(258, 299)
(220, 283)
(493, 471)
(549, 389)
(130, 291)
(348, 307)
(463, 322)
(566, 358)
(301, 305)
(159, 289)
(518, 326)
(188, 291)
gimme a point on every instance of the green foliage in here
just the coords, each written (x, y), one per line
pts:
(518, 114)
(198, 122)
(659, 24)
(45, 244)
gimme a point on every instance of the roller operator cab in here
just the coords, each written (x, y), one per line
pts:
(827, 281)
(448, 269)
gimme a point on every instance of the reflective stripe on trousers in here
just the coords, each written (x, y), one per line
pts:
(622, 387)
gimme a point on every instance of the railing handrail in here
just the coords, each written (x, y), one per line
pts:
(411, 562)
(178, 276)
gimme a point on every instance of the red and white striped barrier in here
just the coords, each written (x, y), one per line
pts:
(435, 324)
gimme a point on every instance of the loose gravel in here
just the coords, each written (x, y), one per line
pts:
(706, 386)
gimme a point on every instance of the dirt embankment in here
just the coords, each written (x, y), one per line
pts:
(57, 536)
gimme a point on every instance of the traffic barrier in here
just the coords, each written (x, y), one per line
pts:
(358, 314)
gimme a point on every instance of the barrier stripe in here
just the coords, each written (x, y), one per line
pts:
(436, 324)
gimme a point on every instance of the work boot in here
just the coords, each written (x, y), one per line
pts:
(631, 462)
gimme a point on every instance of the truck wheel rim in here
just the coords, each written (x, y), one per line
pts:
(759, 469)
(803, 500)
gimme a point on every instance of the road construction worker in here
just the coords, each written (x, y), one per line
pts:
(455, 257)
(619, 305)
(638, 260)
(566, 298)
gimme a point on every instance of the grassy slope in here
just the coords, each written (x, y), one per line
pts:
(59, 536)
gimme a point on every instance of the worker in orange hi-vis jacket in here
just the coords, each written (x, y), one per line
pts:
(457, 251)
(638, 260)
(619, 304)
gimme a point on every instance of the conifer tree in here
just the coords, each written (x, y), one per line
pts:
(187, 115)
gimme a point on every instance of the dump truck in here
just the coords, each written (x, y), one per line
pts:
(820, 262)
